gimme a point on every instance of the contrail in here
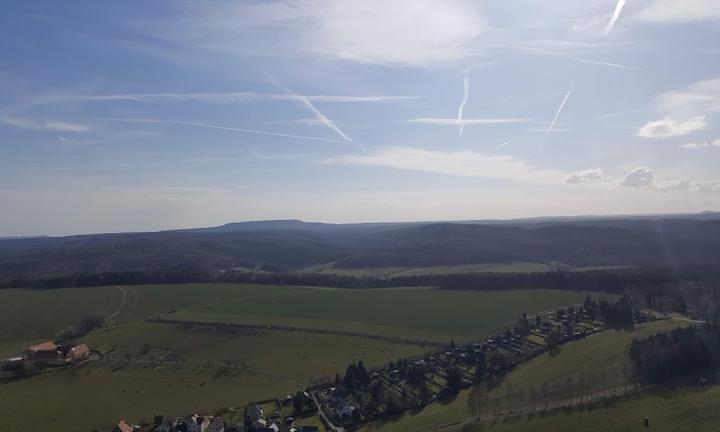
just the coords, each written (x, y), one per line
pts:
(466, 95)
(552, 125)
(616, 14)
(211, 126)
(321, 117)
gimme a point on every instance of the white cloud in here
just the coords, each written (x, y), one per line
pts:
(709, 186)
(671, 127)
(400, 32)
(701, 145)
(645, 178)
(679, 11)
(458, 163)
(583, 176)
(45, 125)
(640, 178)
(685, 110)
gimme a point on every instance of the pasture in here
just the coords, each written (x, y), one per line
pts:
(688, 409)
(159, 368)
(408, 312)
(204, 372)
(411, 312)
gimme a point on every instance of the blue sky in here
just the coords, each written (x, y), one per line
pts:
(133, 115)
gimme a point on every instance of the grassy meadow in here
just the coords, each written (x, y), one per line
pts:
(418, 312)
(153, 368)
(410, 312)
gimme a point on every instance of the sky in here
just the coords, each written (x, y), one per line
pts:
(136, 115)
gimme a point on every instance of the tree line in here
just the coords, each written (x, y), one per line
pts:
(682, 352)
(616, 280)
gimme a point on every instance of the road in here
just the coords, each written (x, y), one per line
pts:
(325, 419)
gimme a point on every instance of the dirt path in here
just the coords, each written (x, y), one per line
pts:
(119, 309)
(547, 407)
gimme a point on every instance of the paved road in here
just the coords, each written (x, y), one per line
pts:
(326, 420)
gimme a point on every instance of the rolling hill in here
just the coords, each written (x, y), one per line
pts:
(292, 245)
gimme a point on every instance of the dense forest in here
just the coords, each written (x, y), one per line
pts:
(683, 352)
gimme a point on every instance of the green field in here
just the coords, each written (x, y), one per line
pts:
(198, 379)
(171, 369)
(603, 351)
(412, 312)
(409, 312)
(690, 409)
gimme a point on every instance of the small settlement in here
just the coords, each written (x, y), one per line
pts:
(47, 354)
(362, 396)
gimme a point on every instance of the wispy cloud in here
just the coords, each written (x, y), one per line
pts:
(554, 120)
(702, 145)
(415, 33)
(454, 163)
(467, 121)
(461, 108)
(698, 98)
(670, 127)
(616, 14)
(679, 12)
(44, 125)
(567, 53)
(607, 116)
(685, 110)
(227, 128)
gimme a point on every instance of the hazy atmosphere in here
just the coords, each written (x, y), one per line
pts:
(151, 115)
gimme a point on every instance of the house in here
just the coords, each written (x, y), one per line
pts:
(255, 412)
(78, 352)
(309, 429)
(343, 410)
(44, 351)
(165, 426)
(212, 424)
(259, 424)
(122, 426)
(187, 424)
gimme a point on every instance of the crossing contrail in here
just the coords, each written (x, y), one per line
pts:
(461, 108)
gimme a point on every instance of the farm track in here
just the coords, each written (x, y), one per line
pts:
(567, 403)
(225, 325)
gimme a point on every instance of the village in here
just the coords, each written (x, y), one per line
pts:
(363, 395)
